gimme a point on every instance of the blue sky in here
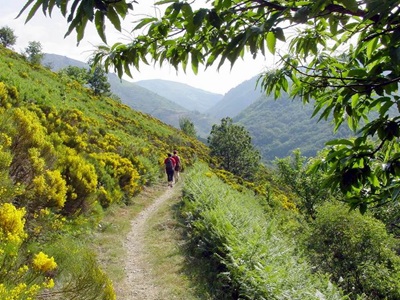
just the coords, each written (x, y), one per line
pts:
(50, 33)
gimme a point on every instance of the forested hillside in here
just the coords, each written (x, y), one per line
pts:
(148, 100)
(280, 126)
(65, 156)
(236, 100)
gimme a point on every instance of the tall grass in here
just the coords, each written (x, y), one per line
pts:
(251, 257)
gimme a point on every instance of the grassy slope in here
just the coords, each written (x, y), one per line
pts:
(102, 127)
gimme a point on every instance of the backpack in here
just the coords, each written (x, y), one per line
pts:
(169, 165)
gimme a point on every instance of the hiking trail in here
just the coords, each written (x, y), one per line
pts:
(139, 283)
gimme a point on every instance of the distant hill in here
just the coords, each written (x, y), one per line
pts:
(279, 126)
(236, 100)
(191, 98)
(142, 99)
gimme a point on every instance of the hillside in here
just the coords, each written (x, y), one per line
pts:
(191, 98)
(148, 100)
(67, 155)
(236, 100)
(279, 126)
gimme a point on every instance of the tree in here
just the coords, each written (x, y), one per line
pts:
(187, 127)
(33, 52)
(98, 80)
(342, 54)
(76, 73)
(95, 78)
(7, 36)
(232, 143)
(292, 172)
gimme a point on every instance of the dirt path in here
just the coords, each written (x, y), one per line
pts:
(139, 284)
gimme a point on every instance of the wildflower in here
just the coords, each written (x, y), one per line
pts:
(43, 263)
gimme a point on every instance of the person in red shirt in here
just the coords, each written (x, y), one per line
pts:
(177, 165)
(170, 164)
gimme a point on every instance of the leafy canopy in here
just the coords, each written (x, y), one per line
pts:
(7, 36)
(33, 52)
(344, 54)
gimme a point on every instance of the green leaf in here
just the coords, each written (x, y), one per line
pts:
(165, 1)
(350, 5)
(199, 17)
(271, 42)
(33, 10)
(371, 47)
(114, 18)
(280, 34)
(340, 142)
(195, 62)
(99, 22)
(144, 22)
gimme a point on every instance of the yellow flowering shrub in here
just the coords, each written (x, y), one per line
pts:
(3, 94)
(13, 92)
(12, 223)
(19, 291)
(7, 188)
(81, 179)
(109, 143)
(30, 146)
(43, 263)
(120, 168)
(50, 188)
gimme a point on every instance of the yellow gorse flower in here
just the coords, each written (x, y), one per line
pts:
(12, 223)
(43, 263)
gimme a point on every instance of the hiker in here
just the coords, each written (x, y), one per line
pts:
(177, 165)
(169, 163)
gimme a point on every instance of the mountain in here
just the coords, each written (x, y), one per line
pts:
(236, 100)
(191, 98)
(146, 100)
(280, 126)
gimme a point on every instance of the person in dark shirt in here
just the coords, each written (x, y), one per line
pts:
(170, 164)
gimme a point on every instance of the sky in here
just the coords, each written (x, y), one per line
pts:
(50, 33)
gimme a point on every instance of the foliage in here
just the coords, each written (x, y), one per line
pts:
(292, 172)
(98, 81)
(95, 78)
(33, 52)
(76, 73)
(249, 253)
(187, 127)
(232, 143)
(7, 36)
(336, 242)
(80, 13)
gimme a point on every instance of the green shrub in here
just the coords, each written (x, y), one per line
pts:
(356, 250)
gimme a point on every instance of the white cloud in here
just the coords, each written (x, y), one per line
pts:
(50, 33)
